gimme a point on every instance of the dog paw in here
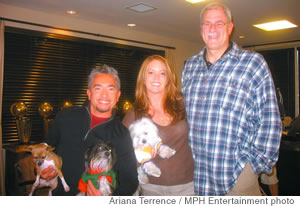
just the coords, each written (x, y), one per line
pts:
(64, 183)
(105, 187)
(81, 194)
(143, 179)
(66, 188)
(151, 169)
(166, 152)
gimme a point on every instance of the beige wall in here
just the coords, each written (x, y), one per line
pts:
(184, 49)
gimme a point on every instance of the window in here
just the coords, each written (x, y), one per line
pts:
(41, 66)
(281, 64)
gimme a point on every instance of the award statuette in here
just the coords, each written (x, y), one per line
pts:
(24, 124)
(126, 106)
(45, 110)
(66, 104)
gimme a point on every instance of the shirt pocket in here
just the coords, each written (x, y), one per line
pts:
(235, 94)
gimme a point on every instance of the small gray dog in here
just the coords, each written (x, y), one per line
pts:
(99, 163)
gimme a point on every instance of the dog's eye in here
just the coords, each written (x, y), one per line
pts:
(145, 133)
(101, 148)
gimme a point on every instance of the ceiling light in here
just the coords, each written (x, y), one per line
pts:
(72, 12)
(141, 8)
(242, 37)
(275, 25)
(194, 1)
(131, 25)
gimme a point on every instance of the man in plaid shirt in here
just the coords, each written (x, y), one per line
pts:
(235, 126)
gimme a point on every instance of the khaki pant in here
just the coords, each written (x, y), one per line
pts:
(270, 179)
(247, 184)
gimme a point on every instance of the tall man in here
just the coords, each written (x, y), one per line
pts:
(235, 127)
(79, 127)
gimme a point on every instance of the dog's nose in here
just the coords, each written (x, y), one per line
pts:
(144, 141)
(39, 163)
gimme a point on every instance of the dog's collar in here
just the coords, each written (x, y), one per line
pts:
(152, 152)
(145, 161)
(110, 175)
(98, 171)
(158, 146)
(155, 150)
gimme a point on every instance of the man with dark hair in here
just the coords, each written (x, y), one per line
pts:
(75, 129)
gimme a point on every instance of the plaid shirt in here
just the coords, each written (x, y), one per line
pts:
(233, 118)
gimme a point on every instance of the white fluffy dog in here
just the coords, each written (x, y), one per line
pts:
(147, 144)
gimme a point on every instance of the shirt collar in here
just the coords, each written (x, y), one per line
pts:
(208, 64)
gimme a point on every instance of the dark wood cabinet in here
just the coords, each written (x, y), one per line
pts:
(19, 171)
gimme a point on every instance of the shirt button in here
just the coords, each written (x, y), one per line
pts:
(234, 83)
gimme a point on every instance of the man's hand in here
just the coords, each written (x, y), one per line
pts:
(48, 173)
(91, 190)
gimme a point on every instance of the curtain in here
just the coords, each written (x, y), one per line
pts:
(170, 56)
(2, 188)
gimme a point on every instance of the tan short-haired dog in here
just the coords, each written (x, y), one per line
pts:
(43, 157)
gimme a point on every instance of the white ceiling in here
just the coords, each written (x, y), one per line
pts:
(178, 18)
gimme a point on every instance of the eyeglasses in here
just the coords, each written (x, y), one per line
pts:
(218, 25)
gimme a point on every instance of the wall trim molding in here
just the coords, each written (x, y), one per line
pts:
(86, 33)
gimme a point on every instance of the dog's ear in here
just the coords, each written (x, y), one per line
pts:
(24, 148)
(50, 148)
(87, 153)
(86, 158)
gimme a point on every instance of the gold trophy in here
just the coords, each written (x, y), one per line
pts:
(24, 124)
(126, 106)
(45, 109)
(66, 104)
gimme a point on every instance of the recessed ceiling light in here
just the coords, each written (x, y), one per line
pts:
(131, 25)
(275, 25)
(242, 37)
(194, 1)
(72, 12)
(141, 8)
